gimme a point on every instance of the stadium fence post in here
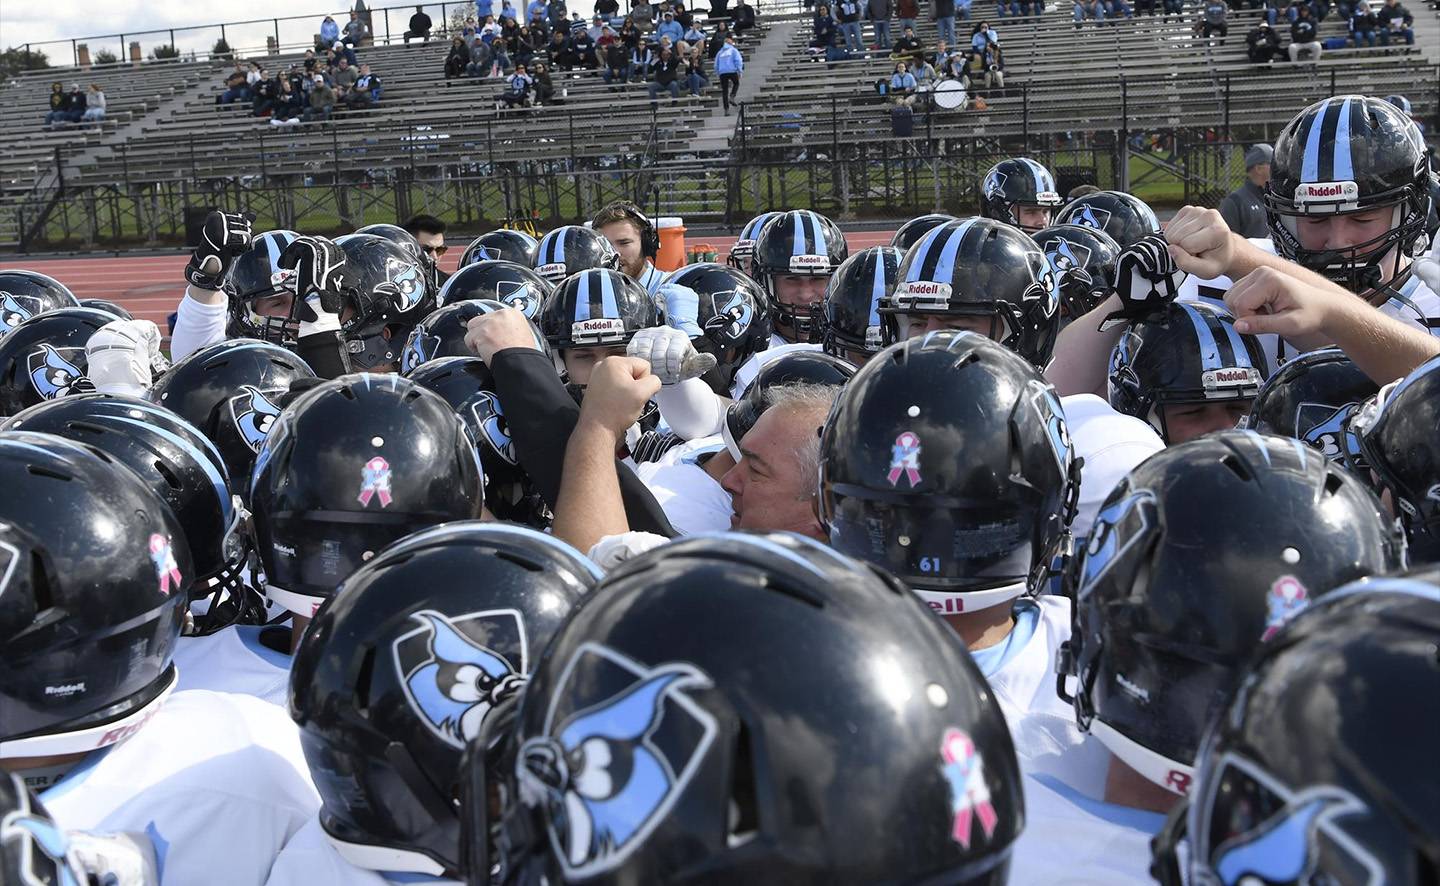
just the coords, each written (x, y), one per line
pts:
(1025, 114)
(74, 51)
(1227, 107)
(275, 22)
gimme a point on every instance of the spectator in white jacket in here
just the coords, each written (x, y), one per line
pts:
(94, 105)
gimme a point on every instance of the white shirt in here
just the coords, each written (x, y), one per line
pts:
(1111, 445)
(234, 660)
(1073, 841)
(750, 368)
(309, 860)
(216, 781)
(692, 500)
(1021, 672)
(196, 325)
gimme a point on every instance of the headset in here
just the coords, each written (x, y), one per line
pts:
(649, 236)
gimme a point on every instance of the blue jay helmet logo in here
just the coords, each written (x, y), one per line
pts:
(485, 253)
(1118, 528)
(408, 282)
(519, 295)
(456, 670)
(37, 847)
(613, 763)
(55, 373)
(1091, 217)
(732, 314)
(1323, 427)
(16, 309)
(1284, 835)
(1045, 284)
(253, 413)
(1052, 415)
(494, 431)
(1065, 256)
(419, 348)
(994, 185)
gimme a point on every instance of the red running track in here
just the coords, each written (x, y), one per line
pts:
(151, 286)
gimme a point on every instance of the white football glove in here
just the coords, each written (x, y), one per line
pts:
(1146, 280)
(1427, 266)
(124, 357)
(671, 356)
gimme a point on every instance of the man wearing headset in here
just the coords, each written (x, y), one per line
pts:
(634, 236)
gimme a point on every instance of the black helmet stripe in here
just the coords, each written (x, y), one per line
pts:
(1329, 127)
(938, 262)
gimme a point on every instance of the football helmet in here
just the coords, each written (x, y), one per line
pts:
(391, 294)
(1349, 154)
(1083, 262)
(349, 467)
(104, 304)
(26, 294)
(1311, 398)
(795, 367)
(442, 334)
(570, 249)
(1336, 797)
(596, 308)
(399, 672)
(909, 234)
(743, 251)
(1017, 182)
(44, 357)
(964, 533)
(1124, 217)
(798, 243)
(851, 320)
(981, 268)
(397, 235)
(1201, 553)
(645, 750)
(732, 317)
(1194, 355)
(231, 391)
(94, 580)
(183, 468)
(255, 274)
(1396, 431)
(502, 245)
(513, 285)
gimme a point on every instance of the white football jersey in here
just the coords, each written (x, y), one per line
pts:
(196, 326)
(1111, 445)
(1069, 839)
(216, 781)
(310, 860)
(1021, 671)
(691, 498)
(234, 660)
(750, 368)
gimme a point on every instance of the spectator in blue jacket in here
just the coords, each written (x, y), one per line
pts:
(329, 32)
(517, 91)
(902, 85)
(670, 28)
(355, 31)
(484, 9)
(982, 36)
(729, 64)
(557, 13)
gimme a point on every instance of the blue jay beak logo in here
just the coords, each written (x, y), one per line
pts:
(490, 419)
(1132, 515)
(419, 348)
(485, 253)
(732, 314)
(409, 283)
(16, 309)
(1325, 429)
(455, 671)
(254, 413)
(1066, 256)
(608, 774)
(1091, 217)
(518, 294)
(54, 373)
(1302, 841)
(35, 845)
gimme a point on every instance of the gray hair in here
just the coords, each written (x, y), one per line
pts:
(806, 398)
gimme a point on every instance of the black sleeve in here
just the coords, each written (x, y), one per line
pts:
(325, 353)
(541, 414)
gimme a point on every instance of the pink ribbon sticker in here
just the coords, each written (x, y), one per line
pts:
(166, 569)
(905, 459)
(969, 796)
(375, 482)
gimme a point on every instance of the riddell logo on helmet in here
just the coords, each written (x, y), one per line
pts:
(1178, 781)
(1327, 192)
(65, 689)
(948, 606)
(1233, 377)
(597, 326)
(124, 732)
(809, 262)
(556, 269)
(924, 289)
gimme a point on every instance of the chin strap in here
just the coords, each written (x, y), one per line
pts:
(1169, 845)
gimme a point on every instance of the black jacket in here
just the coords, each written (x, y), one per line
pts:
(420, 23)
(1302, 30)
(664, 72)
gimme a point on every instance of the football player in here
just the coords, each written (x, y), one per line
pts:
(1019, 192)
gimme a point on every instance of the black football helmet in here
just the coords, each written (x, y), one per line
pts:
(731, 315)
(391, 295)
(1192, 355)
(397, 235)
(1398, 432)
(1124, 217)
(965, 533)
(104, 304)
(1083, 262)
(442, 333)
(1351, 153)
(742, 253)
(909, 234)
(95, 577)
(798, 243)
(349, 467)
(645, 754)
(26, 294)
(44, 357)
(399, 672)
(850, 324)
(570, 249)
(1339, 797)
(596, 308)
(33, 848)
(795, 367)
(231, 391)
(502, 245)
(1311, 398)
(1196, 557)
(255, 274)
(1017, 182)
(183, 468)
(982, 268)
(513, 285)
(467, 385)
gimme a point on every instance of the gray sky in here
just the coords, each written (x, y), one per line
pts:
(22, 21)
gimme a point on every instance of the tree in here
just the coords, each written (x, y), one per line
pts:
(164, 51)
(221, 50)
(17, 59)
(104, 57)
